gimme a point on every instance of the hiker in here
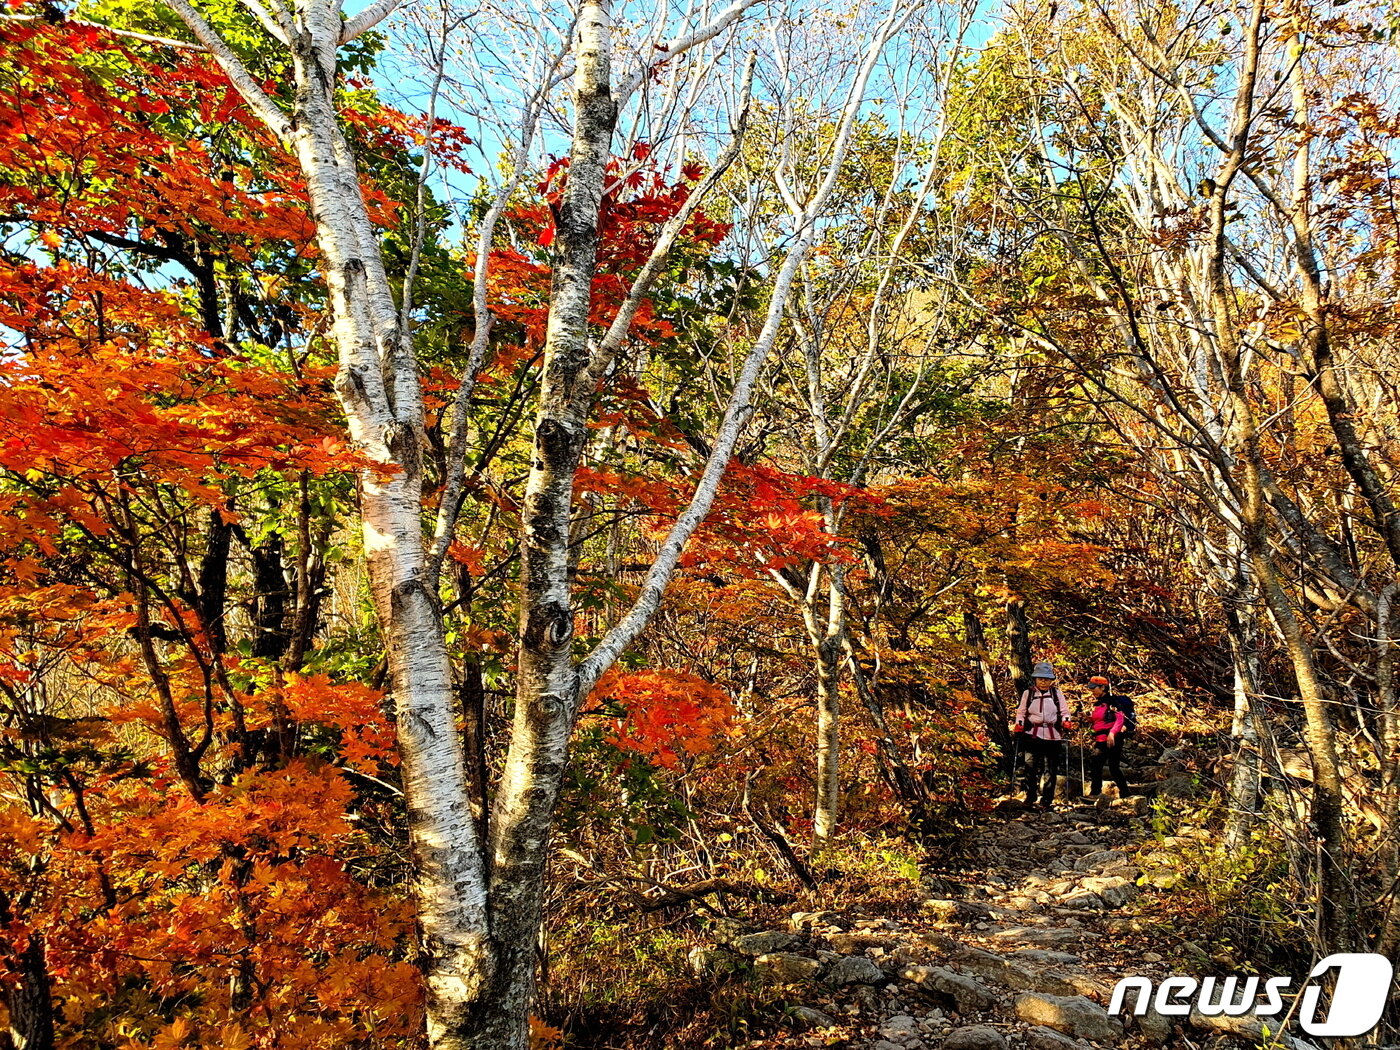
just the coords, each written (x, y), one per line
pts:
(1112, 722)
(1043, 719)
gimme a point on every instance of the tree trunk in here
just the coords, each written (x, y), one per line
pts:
(827, 647)
(979, 668)
(892, 765)
(28, 993)
(1018, 637)
(1244, 780)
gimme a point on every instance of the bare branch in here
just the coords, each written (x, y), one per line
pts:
(368, 19)
(233, 66)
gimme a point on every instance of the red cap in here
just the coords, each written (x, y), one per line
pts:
(1098, 679)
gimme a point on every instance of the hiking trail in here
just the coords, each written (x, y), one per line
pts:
(1017, 950)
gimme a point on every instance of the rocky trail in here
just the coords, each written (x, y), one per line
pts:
(1021, 949)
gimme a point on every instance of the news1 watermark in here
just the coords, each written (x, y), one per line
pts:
(1358, 995)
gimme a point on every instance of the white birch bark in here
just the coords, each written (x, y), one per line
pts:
(479, 902)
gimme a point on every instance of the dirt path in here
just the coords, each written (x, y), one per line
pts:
(1021, 948)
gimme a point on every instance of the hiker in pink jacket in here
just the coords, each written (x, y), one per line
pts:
(1111, 727)
(1043, 717)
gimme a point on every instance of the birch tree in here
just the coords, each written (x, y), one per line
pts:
(1197, 132)
(479, 895)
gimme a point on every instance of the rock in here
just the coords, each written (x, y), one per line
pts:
(807, 920)
(764, 943)
(1085, 900)
(1114, 890)
(1135, 804)
(974, 1037)
(1040, 955)
(723, 930)
(900, 1027)
(1073, 1015)
(806, 1017)
(885, 1044)
(709, 961)
(953, 911)
(1154, 1028)
(786, 967)
(855, 943)
(995, 968)
(1123, 871)
(1249, 1028)
(1104, 858)
(1039, 1038)
(1089, 986)
(1044, 935)
(854, 969)
(1178, 785)
(1051, 982)
(968, 993)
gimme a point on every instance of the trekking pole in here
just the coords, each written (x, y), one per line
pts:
(1081, 763)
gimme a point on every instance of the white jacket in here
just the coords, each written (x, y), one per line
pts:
(1043, 712)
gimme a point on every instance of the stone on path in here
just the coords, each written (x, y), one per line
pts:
(1046, 935)
(968, 993)
(762, 943)
(854, 969)
(1073, 1015)
(1250, 1028)
(1039, 1038)
(1040, 955)
(898, 1027)
(974, 1037)
(1104, 858)
(811, 1017)
(786, 967)
(1115, 890)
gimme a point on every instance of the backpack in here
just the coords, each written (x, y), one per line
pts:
(1129, 709)
(1056, 697)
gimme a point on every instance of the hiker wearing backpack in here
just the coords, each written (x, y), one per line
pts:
(1043, 719)
(1113, 720)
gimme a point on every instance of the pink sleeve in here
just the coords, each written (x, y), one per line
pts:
(1119, 721)
(1021, 707)
(1065, 716)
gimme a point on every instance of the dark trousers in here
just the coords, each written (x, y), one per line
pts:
(1114, 757)
(1043, 760)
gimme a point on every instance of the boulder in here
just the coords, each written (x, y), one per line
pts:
(807, 1017)
(854, 969)
(786, 967)
(1072, 1014)
(968, 993)
(899, 1028)
(855, 943)
(1085, 900)
(1154, 1028)
(1114, 890)
(1040, 1038)
(941, 910)
(1250, 1029)
(763, 943)
(1041, 935)
(1041, 955)
(974, 1037)
(808, 920)
(1104, 858)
